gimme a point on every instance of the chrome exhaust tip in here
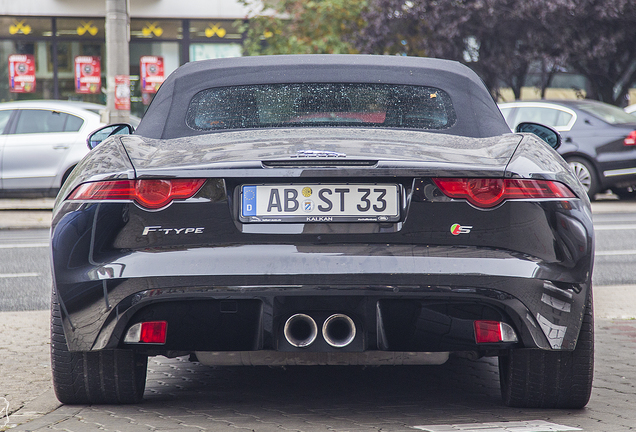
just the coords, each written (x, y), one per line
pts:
(300, 330)
(339, 330)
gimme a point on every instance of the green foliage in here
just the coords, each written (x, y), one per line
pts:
(505, 40)
(303, 27)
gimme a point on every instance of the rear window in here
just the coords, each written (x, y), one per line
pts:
(298, 105)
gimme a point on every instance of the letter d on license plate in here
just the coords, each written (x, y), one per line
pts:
(320, 203)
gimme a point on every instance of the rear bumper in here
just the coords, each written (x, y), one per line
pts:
(401, 297)
(416, 288)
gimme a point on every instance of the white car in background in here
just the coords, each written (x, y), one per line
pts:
(41, 141)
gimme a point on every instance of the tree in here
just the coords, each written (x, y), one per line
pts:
(303, 27)
(597, 39)
(501, 39)
(494, 37)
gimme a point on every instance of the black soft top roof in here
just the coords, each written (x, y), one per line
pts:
(477, 113)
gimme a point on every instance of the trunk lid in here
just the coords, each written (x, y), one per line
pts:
(294, 151)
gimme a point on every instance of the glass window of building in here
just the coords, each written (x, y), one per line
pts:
(212, 39)
(51, 46)
(25, 26)
(67, 51)
(215, 30)
(85, 28)
(44, 85)
(169, 52)
(205, 51)
(156, 29)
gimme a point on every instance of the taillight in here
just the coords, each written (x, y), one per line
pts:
(152, 332)
(493, 331)
(630, 139)
(489, 192)
(150, 194)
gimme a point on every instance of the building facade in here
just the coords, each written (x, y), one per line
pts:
(49, 46)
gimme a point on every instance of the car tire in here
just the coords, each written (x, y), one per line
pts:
(533, 378)
(100, 377)
(586, 174)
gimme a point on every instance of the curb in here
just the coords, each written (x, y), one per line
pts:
(27, 203)
(604, 207)
(25, 219)
(24, 213)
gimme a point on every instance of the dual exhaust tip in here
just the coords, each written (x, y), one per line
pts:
(301, 330)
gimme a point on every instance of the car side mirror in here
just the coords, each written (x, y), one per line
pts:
(99, 135)
(546, 133)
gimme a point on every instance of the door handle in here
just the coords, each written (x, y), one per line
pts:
(60, 147)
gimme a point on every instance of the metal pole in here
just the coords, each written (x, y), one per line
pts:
(117, 54)
(56, 81)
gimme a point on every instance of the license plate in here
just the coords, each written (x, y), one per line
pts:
(320, 203)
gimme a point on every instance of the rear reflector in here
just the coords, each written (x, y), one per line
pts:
(490, 192)
(150, 194)
(151, 332)
(630, 139)
(494, 331)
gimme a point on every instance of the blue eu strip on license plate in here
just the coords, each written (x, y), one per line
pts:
(320, 203)
(249, 201)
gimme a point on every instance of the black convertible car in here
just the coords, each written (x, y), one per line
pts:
(323, 210)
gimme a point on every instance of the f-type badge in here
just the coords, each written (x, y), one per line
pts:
(457, 229)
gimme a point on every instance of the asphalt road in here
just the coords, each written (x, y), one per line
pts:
(615, 258)
(25, 271)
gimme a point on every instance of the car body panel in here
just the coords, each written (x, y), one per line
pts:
(402, 147)
(416, 284)
(28, 162)
(220, 258)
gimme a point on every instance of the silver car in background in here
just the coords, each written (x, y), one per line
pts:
(41, 141)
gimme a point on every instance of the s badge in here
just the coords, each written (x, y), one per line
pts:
(457, 229)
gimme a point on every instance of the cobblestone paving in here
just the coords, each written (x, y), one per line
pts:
(25, 367)
(185, 396)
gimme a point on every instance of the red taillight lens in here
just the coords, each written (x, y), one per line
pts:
(630, 139)
(487, 331)
(487, 193)
(153, 332)
(151, 194)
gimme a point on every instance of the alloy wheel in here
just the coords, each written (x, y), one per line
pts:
(582, 173)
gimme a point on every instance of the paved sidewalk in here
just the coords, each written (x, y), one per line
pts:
(25, 367)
